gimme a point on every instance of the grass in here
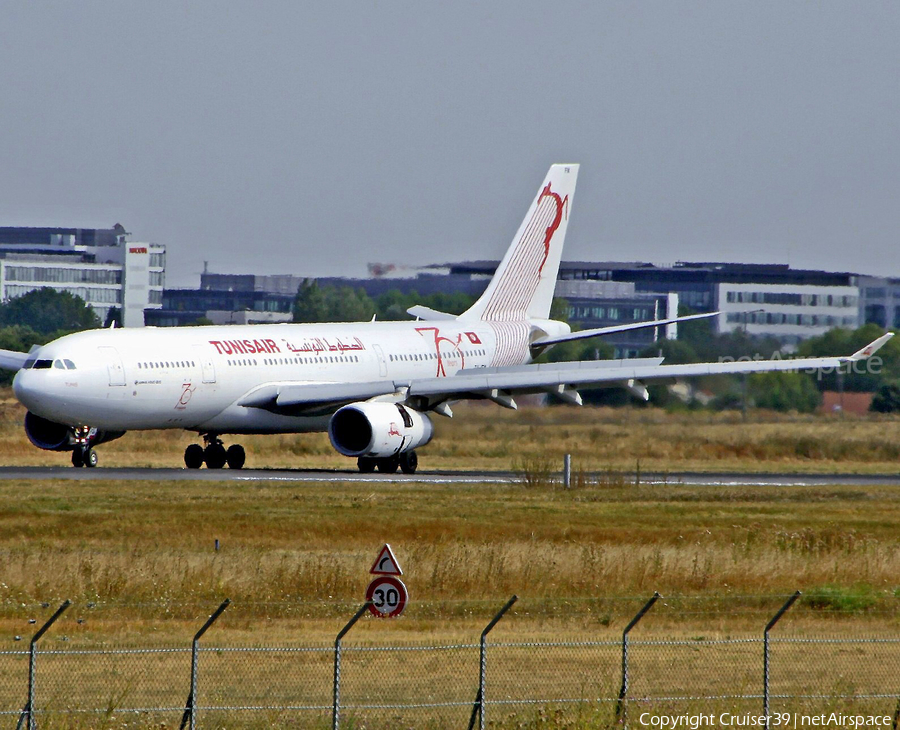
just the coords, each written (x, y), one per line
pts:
(139, 562)
(483, 436)
(144, 551)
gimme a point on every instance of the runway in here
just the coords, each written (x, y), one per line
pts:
(718, 479)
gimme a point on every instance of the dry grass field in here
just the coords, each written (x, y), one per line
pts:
(300, 551)
(139, 562)
(143, 553)
(485, 436)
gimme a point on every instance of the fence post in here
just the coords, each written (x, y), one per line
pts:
(621, 707)
(28, 712)
(190, 709)
(478, 707)
(567, 471)
(769, 626)
(336, 707)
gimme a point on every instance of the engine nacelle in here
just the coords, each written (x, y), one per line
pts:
(378, 429)
(52, 436)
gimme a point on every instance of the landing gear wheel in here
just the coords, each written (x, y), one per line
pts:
(366, 464)
(214, 455)
(89, 457)
(409, 462)
(193, 456)
(77, 458)
(388, 465)
(235, 456)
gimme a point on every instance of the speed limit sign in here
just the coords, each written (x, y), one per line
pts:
(388, 596)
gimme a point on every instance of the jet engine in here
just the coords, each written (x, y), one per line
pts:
(378, 430)
(58, 437)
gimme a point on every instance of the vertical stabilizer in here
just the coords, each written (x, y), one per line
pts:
(522, 287)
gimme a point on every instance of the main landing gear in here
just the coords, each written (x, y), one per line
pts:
(215, 455)
(407, 462)
(84, 456)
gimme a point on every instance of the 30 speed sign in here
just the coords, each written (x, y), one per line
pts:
(388, 596)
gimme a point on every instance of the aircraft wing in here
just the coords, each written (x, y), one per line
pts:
(494, 383)
(313, 398)
(12, 360)
(556, 377)
(499, 384)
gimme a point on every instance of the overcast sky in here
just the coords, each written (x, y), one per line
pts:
(312, 138)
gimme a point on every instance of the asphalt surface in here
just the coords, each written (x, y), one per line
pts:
(428, 477)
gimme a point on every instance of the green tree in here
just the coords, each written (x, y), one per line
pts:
(346, 304)
(114, 315)
(21, 339)
(886, 398)
(784, 392)
(589, 349)
(864, 376)
(48, 311)
(310, 304)
(674, 352)
(709, 346)
(392, 305)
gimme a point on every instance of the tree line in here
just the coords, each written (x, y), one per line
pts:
(46, 314)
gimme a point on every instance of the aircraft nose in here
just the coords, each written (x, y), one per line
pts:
(23, 386)
(33, 391)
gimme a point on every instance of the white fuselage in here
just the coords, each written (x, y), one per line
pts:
(194, 377)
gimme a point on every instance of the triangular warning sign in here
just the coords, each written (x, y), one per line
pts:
(386, 563)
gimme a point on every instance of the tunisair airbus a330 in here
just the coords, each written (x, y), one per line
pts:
(373, 386)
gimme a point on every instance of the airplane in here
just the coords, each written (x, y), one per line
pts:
(373, 386)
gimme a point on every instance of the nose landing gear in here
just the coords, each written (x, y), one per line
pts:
(215, 455)
(83, 454)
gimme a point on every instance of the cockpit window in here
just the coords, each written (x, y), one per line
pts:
(69, 364)
(58, 364)
(29, 363)
(43, 364)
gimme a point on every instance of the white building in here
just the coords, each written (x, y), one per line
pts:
(790, 312)
(99, 265)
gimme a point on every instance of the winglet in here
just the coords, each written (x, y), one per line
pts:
(871, 348)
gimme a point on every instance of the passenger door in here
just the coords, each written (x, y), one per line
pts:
(206, 364)
(114, 366)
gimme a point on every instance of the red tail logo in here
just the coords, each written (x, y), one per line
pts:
(554, 224)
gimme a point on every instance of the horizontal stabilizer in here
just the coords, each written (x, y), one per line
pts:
(612, 329)
(12, 360)
(428, 314)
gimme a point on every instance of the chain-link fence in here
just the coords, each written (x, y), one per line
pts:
(479, 683)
